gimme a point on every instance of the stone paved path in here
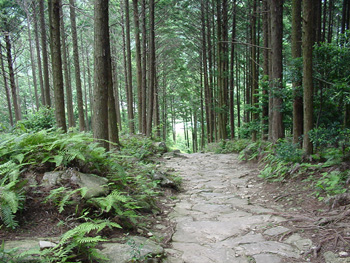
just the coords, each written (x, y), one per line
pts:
(215, 221)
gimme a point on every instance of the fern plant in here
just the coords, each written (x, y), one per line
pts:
(11, 200)
(80, 242)
(62, 196)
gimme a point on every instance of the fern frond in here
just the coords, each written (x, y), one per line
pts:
(86, 240)
(9, 199)
(8, 217)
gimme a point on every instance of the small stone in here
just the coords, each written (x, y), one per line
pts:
(149, 234)
(343, 254)
(46, 244)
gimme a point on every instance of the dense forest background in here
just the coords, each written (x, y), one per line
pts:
(221, 69)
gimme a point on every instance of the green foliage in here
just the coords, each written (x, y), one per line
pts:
(288, 152)
(228, 146)
(331, 183)
(333, 135)
(62, 196)
(11, 200)
(8, 255)
(140, 147)
(43, 119)
(253, 150)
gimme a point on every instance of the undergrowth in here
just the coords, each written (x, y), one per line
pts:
(326, 172)
(131, 196)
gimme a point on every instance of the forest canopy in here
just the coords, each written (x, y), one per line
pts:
(191, 72)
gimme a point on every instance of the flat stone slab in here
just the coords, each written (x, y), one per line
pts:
(271, 247)
(205, 231)
(136, 248)
(275, 231)
(267, 258)
(195, 253)
(330, 257)
(301, 243)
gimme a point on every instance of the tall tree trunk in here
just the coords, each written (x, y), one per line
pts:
(232, 74)
(152, 69)
(222, 67)
(12, 78)
(8, 98)
(129, 93)
(211, 119)
(205, 72)
(77, 66)
(297, 85)
(266, 53)
(44, 54)
(32, 57)
(67, 79)
(90, 87)
(308, 41)
(101, 76)
(57, 65)
(115, 85)
(138, 62)
(37, 45)
(255, 72)
(144, 68)
(277, 69)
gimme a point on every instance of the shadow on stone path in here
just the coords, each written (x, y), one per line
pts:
(215, 221)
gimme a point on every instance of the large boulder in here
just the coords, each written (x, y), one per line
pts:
(96, 185)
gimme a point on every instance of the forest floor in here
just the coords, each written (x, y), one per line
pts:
(226, 213)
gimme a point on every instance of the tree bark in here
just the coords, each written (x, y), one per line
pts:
(144, 68)
(138, 62)
(232, 75)
(8, 98)
(32, 57)
(152, 70)
(67, 79)
(12, 78)
(266, 55)
(101, 76)
(129, 94)
(77, 66)
(297, 85)
(255, 74)
(277, 69)
(44, 54)
(308, 41)
(57, 65)
(37, 45)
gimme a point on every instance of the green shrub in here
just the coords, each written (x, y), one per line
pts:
(43, 119)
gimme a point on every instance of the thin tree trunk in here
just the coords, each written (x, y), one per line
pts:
(8, 98)
(297, 85)
(129, 93)
(77, 66)
(12, 78)
(138, 62)
(144, 68)
(37, 45)
(32, 59)
(232, 76)
(44, 55)
(266, 53)
(67, 79)
(57, 65)
(255, 74)
(152, 70)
